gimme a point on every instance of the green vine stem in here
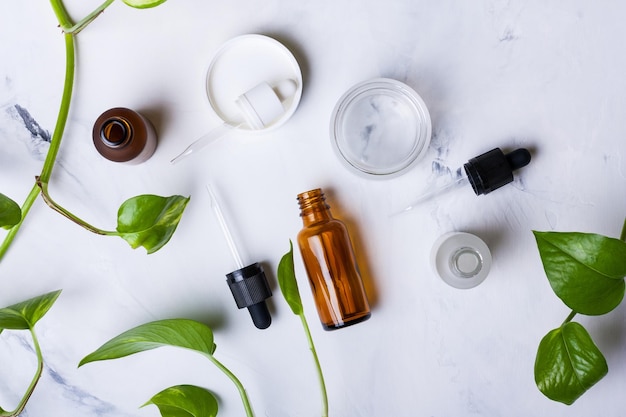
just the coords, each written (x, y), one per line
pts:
(43, 186)
(28, 203)
(317, 365)
(22, 404)
(569, 318)
(87, 20)
(59, 128)
(62, 16)
(68, 87)
(70, 30)
(238, 384)
(623, 235)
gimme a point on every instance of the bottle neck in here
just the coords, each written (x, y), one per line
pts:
(116, 132)
(313, 207)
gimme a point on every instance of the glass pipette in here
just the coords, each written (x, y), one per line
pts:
(259, 106)
(452, 185)
(225, 231)
(248, 284)
(485, 173)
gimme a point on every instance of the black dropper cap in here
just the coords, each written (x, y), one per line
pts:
(250, 289)
(493, 169)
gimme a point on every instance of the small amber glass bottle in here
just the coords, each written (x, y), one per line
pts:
(330, 264)
(123, 135)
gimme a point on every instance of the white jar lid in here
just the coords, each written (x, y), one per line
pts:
(243, 63)
(461, 259)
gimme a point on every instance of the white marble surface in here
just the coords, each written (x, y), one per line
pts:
(549, 76)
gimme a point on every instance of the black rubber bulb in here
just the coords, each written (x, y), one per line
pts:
(519, 158)
(260, 315)
(250, 290)
(493, 169)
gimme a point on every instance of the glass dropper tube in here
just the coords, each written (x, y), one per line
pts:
(224, 226)
(248, 284)
(485, 173)
(435, 192)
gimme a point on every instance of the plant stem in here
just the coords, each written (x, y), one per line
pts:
(59, 10)
(623, 235)
(64, 109)
(22, 404)
(317, 364)
(30, 199)
(88, 19)
(238, 384)
(70, 29)
(55, 142)
(56, 207)
(569, 318)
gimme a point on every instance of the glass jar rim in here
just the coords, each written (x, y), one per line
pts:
(402, 102)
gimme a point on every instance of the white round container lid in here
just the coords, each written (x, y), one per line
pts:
(461, 259)
(243, 63)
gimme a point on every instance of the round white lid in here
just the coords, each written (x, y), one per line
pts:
(243, 63)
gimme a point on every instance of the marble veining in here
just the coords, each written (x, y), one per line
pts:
(83, 402)
(38, 140)
(54, 381)
(31, 124)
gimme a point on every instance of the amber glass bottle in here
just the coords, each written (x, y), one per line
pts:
(123, 135)
(330, 264)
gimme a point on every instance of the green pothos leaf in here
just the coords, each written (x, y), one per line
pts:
(143, 4)
(568, 363)
(183, 333)
(585, 270)
(150, 220)
(185, 401)
(288, 283)
(25, 315)
(10, 212)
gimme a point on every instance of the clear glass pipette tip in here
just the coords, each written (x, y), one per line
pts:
(434, 192)
(224, 226)
(205, 140)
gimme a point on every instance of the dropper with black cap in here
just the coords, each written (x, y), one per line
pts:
(248, 284)
(494, 169)
(485, 173)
